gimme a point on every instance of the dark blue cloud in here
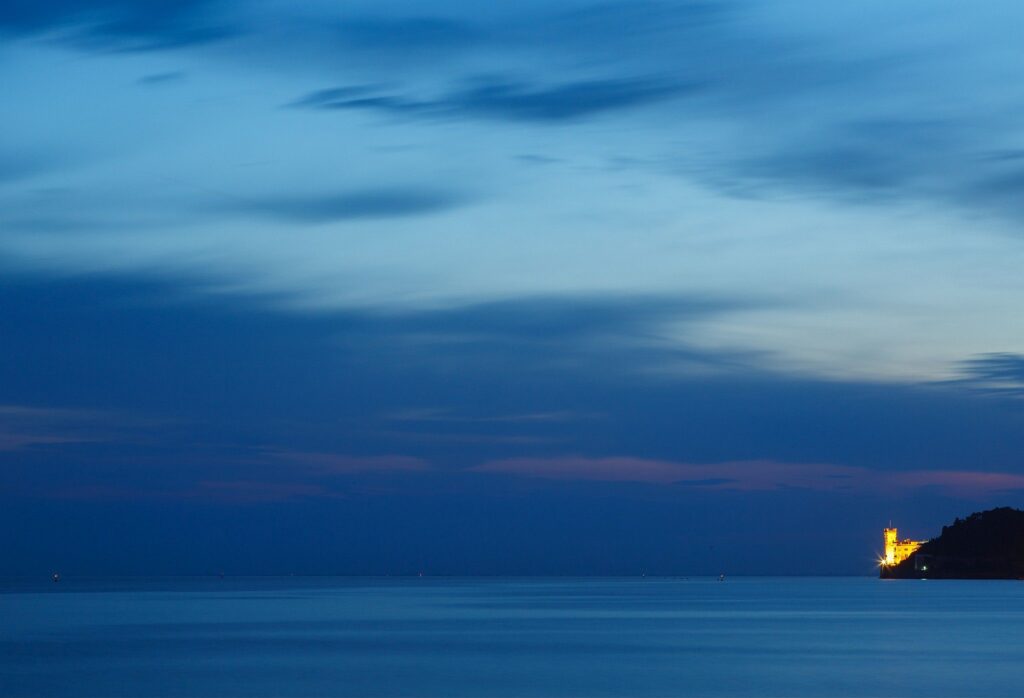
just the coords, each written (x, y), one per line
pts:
(405, 34)
(507, 99)
(162, 78)
(135, 350)
(999, 185)
(623, 21)
(354, 205)
(155, 413)
(135, 25)
(871, 160)
(15, 165)
(452, 37)
(557, 318)
(1000, 373)
(947, 163)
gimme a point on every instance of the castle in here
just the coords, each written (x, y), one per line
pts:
(896, 550)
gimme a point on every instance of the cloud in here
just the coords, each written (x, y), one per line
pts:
(340, 464)
(403, 34)
(209, 491)
(23, 427)
(443, 415)
(997, 367)
(314, 209)
(869, 159)
(507, 100)
(162, 78)
(748, 476)
(16, 165)
(802, 115)
(543, 318)
(16, 441)
(876, 161)
(998, 373)
(244, 375)
(875, 134)
(962, 483)
(453, 37)
(124, 25)
(580, 334)
(481, 439)
(255, 492)
(745, 476)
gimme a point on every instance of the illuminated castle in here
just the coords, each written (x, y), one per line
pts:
(896, 550)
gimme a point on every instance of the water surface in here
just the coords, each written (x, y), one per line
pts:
(511, 637)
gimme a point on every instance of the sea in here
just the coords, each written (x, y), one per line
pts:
(452, 637)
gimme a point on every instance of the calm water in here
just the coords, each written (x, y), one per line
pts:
(544, 637)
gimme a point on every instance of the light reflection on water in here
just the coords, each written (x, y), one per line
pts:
(511, 637)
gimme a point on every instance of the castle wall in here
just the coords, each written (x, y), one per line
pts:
(896, 550)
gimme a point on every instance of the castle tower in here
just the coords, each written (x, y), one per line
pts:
(891, 538)
(896, 550)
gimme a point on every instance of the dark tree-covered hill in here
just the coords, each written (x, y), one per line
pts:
(985, 545)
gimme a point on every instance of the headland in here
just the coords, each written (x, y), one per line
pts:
(985, 545)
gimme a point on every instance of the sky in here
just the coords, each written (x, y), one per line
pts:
(561, 287)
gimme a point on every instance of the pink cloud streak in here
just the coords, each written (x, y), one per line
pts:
(225, 491)
(756, 475)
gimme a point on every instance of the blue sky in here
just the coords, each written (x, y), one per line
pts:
(560, 287)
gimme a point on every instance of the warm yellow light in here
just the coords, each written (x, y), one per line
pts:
(896, 550)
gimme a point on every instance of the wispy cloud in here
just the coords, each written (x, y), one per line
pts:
(743, 475)
(998, 373)
(435, 414)
(20, 164)
(964, 483)
(23, 426)
(411, 33)
(213, 491)
(124, 25)
(313, 209)
(162, 78)
(463, 437)
(750, 476)
(255, 492)
(507, 99)
(341, 464)
(265, 476)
